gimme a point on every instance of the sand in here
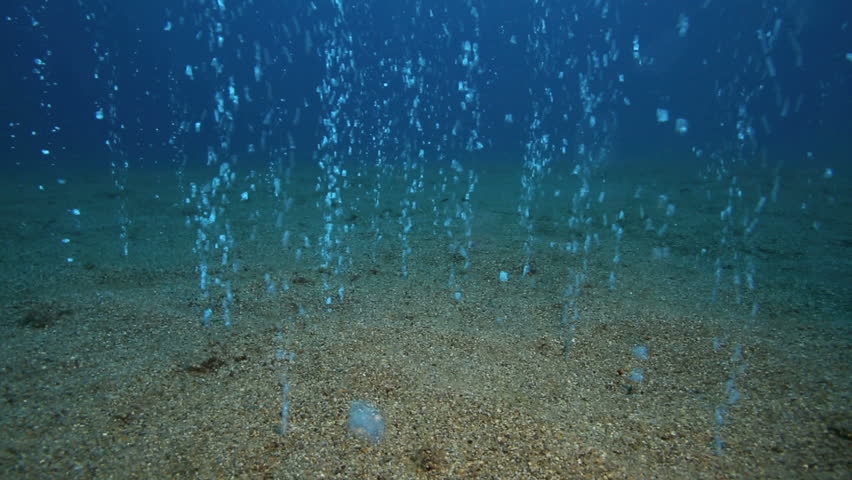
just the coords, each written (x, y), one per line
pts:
(108, 372)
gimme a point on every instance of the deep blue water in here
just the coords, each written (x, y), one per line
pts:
(717, 66)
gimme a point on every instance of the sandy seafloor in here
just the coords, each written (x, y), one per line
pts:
(107, 372)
